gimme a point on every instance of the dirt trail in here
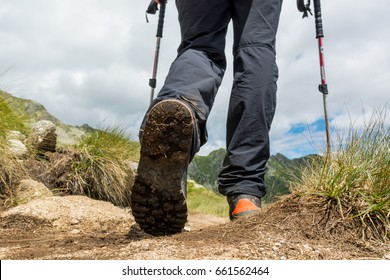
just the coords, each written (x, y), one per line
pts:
(289, 229)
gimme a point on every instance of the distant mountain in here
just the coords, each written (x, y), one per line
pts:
(204, 169)
(281, 170)
(33, 112)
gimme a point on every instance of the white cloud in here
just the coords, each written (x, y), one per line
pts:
(90, 61)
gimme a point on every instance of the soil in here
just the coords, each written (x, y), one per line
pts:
(80, 228)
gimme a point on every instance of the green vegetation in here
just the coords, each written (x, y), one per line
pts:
(203, 200)
(281, 172)
(11, 171)
(100, 168)
(354, 180)
(9, 120)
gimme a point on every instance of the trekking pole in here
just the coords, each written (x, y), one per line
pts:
(323, 87)
(152, 9)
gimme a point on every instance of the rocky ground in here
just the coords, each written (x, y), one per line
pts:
(77, 227)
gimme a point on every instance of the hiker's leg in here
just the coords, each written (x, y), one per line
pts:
(169, 135)
(197, 72)
(253, 97)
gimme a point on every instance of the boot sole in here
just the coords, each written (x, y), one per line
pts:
(158, 199)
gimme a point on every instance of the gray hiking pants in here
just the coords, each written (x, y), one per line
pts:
(197, 73)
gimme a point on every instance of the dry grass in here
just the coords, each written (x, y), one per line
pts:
(11, 172)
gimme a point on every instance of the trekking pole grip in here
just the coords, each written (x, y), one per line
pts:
(318, 19)
(161, 17)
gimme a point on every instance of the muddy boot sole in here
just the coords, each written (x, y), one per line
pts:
(158, 199)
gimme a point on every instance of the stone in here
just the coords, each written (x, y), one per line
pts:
(75, 231)
(29, 190)
(16, 135)
(62, 212)
(15, 144)
(17, 148)
(43, 137)
(74, 222)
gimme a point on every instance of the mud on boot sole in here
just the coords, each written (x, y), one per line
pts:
(158, 199)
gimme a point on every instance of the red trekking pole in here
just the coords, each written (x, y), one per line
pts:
(323, 87)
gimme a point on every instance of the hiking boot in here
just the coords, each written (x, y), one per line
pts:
(158, 198)
(242, 205)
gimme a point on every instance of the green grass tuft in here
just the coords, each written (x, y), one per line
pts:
(100, 168)
(356, 177)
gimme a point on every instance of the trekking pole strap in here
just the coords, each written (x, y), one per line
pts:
(152, 8)
(304, 8)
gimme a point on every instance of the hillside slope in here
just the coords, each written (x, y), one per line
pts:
(33, 112)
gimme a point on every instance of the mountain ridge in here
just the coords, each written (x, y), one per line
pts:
(204, 170)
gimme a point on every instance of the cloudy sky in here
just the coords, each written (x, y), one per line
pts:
(89, 61)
